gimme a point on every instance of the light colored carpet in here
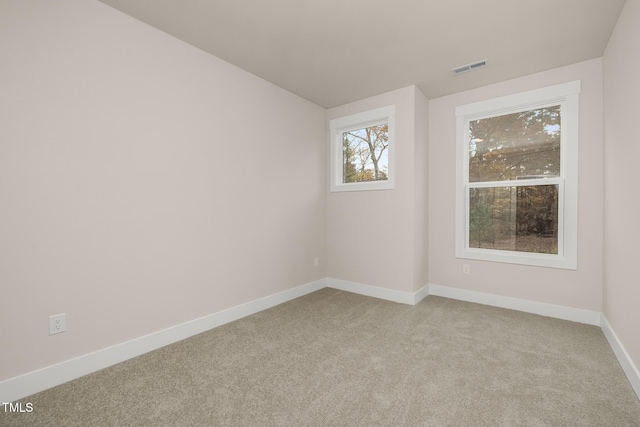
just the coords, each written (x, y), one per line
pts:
(333, 358)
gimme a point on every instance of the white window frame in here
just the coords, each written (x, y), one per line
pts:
(566, 95)
(359, 121)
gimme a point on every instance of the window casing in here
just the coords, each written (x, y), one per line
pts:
(362, 151)
(517, 178)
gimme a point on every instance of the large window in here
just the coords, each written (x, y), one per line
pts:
(517, 178)
(362, 148)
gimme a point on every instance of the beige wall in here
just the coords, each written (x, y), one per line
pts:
(143, 183)
(578, 289)
(376, 237)
(421, 191)
(622, 151)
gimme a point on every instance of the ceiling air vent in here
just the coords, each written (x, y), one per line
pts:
(470, 67)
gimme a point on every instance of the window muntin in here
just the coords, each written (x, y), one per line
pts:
(516, 193)
(362, 151)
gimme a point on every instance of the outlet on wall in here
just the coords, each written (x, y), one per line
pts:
(316, 262)
(57, 323)
(466, 269)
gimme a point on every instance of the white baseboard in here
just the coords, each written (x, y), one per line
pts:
(541, 308)
(550, 310)
(33, 382)
(629, 368)
(377, 292)
(42, 379)
(421, 294)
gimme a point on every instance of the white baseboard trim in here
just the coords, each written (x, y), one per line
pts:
(541, 308)
(33, 382)
(377, 292)
(421, 294)
(629, 368)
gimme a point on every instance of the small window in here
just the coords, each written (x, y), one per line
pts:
(362, 148)
(517, 174)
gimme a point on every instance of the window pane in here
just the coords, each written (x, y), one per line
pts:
(522, 219)
(515, 146)
(365, 154)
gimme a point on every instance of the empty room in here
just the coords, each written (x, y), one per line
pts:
(328, 213)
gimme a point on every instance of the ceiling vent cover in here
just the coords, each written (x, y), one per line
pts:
(470, 67)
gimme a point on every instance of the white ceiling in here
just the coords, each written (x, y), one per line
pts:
(333, 52)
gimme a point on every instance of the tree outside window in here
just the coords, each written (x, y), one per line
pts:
(515, 147)
(365, 154)
(517, 178)
(362, 151)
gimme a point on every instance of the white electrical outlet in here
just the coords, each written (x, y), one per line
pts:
(57, 323)
(316, 262)
(466, 269)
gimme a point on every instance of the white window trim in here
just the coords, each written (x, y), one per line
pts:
(359, 121)
(566, 95)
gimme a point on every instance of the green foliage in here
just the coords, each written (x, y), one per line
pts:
(481, 228)
(349, 171)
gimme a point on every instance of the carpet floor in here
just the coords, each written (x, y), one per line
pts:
(333, 358)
